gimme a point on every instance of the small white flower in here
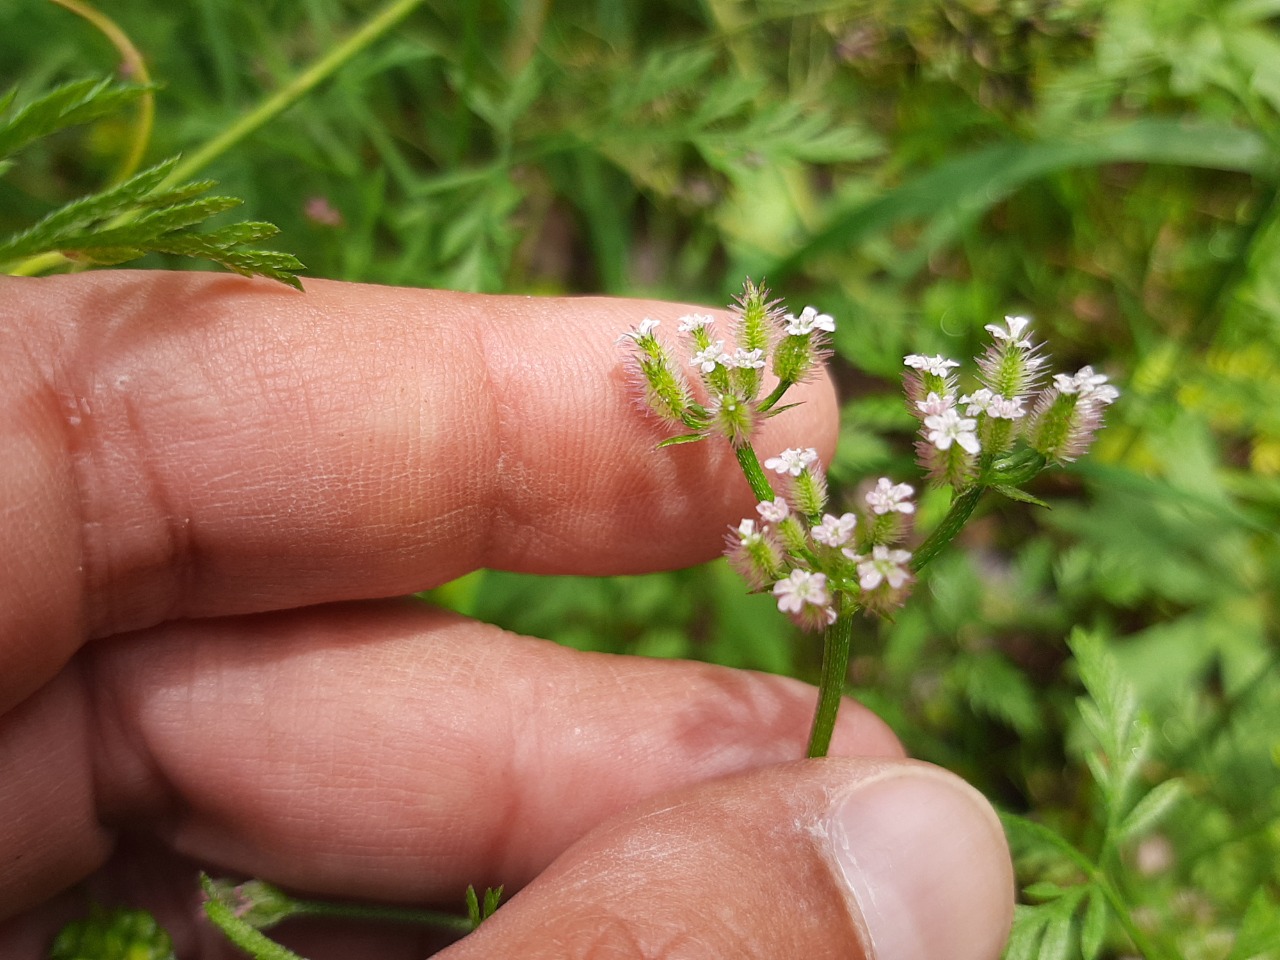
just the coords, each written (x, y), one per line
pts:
(747, 359)
(883, 565)
(1090, 386)
(707, 359)
(993, 405)
(949, 427)
(748, 533)
(808, 321)
(645, 329)
(801, 587)
(695, 321)
(773, 511)
(980, 401)
(938, 365)
(835, 531)
(1011, 331)
(934, 405)
(1007, 408)
(792, 461)
(889, 497)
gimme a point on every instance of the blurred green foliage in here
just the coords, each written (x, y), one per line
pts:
(917, 169)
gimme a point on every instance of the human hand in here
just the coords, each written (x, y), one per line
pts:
(207, 485)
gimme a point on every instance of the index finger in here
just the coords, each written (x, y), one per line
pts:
(182, 445)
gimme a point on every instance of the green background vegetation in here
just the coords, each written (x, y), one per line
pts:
(916, 169)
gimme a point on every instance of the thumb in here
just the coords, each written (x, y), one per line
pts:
(867, 859)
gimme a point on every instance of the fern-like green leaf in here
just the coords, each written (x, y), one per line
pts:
(80, 101)
(1111, 714)
(1150, 810)
(1259, 935)
(1059, 929)
(1093, 925)
(142, 216)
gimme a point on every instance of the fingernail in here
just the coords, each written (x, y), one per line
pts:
(925, 862)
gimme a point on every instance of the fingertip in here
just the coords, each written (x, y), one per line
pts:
(872, 859)
(923, 859)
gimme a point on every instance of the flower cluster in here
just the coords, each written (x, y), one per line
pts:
(964, 435)
(819, 565)
(816, 563)
(762, 335)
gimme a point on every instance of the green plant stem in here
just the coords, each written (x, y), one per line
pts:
(385, 914)
(961, 509)
(754, 473)
(136, 68)
(837, 642)
(768, 403)
(295, 89)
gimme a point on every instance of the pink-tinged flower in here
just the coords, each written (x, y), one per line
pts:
(695, 321)
(808, 321)
(320, 211)
(835, 531)
(641, 332)
(885, 565)
(1011, 364)
(938, 365)
(888, 497)
(793, 461)
(801, 588)
(773, 511)
(706, 360)
(1069, 413)
(746, 359)
(747, 532)
(1011, 332)
(1007, 408)
(949, 427)
(935, 405)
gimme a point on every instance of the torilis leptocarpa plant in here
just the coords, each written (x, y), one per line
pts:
(820, 565)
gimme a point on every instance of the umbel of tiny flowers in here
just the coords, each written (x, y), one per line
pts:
(1004, 431)
(728, 367)
(822, 565)
(965, 436)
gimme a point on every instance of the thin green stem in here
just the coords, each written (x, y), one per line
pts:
(754, 473)
(386, 914)
(263, 113)
(836, 645)
(961, 509)
(293, 91)
(1120, 909)
(768, 403)
(1095, 875)
(136, 68)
